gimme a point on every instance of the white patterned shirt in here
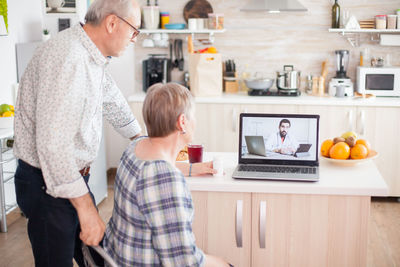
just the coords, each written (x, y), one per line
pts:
(62, 98)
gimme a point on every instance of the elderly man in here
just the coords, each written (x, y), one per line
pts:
(64, 94)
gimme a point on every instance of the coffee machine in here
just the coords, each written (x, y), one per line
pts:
(156, 69)
(341, 80)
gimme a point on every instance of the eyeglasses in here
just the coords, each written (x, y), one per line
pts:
(135, 30)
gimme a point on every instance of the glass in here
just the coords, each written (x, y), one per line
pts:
(195, 153)
(135, 30)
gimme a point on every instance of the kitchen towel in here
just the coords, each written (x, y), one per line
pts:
(205, 72)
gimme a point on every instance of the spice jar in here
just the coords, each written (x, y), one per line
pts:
(391, 21)
(215, 21)
(380, 22)
(164, 19)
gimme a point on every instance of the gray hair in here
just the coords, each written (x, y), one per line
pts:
(163, 105)
(100, 9)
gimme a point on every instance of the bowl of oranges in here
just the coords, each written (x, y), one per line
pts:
(347, 149)
(6, 116)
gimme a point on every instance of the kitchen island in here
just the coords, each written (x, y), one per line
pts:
(277, 223)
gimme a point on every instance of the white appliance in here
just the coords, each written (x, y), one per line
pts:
(380, 81)
(341, 85)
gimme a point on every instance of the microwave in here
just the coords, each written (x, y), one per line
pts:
(384, 81)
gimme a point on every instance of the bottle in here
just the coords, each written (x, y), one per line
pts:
(361, 59)
(336, 15)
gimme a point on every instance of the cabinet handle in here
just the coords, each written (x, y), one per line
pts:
(239, 222)
(350, 120)
(263, 222)
(362, 123)
(234, 120)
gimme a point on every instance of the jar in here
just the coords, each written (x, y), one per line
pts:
(164, 19)
(398, 18)
(215, 21)
(391, 21)
(380, 22)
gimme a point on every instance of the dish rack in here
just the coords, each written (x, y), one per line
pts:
(7, 171)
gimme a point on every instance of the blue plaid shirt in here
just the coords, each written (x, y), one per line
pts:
(151, 224)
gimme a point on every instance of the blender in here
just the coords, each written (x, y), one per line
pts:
(341, 85)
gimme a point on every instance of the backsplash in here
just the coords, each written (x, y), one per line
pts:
(265, 42)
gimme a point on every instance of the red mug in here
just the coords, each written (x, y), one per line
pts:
(195, 153)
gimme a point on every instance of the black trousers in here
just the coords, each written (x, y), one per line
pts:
(53, 225)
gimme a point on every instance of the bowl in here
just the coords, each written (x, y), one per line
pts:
(6, 122)
(372, 155)
(175, 26)
(259, 83)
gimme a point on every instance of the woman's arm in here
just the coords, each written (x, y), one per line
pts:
(197, 168)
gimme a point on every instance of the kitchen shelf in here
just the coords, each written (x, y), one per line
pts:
(353, 36)
(6, 176)
(184, 31)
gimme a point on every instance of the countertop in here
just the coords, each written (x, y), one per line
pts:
(362, 179)
(243, 98)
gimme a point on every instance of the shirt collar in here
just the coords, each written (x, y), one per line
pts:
(90, 46)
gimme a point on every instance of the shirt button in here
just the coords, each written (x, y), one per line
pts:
(43, 188)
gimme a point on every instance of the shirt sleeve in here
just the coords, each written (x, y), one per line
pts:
(117, 111)
(165, 202)
(270, 145)
(58, 116)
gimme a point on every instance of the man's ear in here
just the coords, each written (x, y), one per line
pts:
(181, 123)
(110, 23)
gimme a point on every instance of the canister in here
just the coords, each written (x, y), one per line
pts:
(164, 19)
(391, 21)
(380, 22)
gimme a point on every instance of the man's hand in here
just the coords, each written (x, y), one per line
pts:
(92, 226)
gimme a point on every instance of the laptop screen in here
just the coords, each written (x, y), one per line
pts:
(283, 139)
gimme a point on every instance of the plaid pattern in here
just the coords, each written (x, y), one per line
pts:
(151, 224)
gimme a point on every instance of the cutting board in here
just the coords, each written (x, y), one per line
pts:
(197, 9)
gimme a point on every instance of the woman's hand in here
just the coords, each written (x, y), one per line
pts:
(203, 168)
(197, 168)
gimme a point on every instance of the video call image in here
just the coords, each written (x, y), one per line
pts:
(279, 138)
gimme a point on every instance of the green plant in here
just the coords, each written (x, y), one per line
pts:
(45, 31)
(3, 11)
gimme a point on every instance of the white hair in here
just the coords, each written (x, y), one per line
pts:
(100, 9)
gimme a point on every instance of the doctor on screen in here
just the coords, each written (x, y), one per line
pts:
(281, 141)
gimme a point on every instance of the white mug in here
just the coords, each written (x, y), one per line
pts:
(218, 165)
(192, 24)
(55, 3)
(200, 24)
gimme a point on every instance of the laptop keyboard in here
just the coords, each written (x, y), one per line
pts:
(278, 169)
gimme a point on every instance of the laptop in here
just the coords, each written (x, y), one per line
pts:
(255, 145)
(260, 134)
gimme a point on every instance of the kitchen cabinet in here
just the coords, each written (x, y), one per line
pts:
(259, 230)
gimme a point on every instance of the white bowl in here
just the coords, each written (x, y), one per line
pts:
(6, 122)
(372, 154)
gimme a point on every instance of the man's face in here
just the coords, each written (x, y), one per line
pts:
(283, 129)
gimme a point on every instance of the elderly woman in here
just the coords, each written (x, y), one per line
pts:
(151, 224)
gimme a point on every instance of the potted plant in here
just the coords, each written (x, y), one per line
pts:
(45, 35)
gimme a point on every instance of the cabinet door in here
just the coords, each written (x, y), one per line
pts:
(217, 127)
(309, 230)
(334, 120)
(222, 224)
(381, 127)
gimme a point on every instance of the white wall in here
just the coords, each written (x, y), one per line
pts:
(25, 23)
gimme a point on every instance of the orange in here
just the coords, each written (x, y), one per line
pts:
(358, 151)
(340, 150)
(8, 114)
(365, 143)
(325, 146)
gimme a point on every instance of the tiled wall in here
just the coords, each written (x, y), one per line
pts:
(268, 41)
